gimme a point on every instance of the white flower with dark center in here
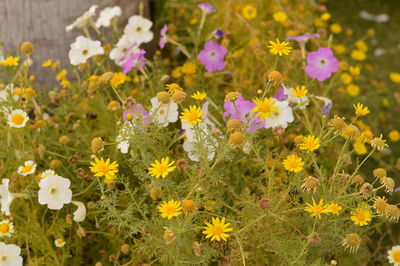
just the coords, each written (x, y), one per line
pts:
(55, 192)
(6, 228)
(83, 20)
(10, 255)
(28, 168)
(18, 118)
(282, 117)
(123, 50)
(6, 197)
(82, 49)
(138, 29)
(80, 213)
(106, 15)
(164, 113)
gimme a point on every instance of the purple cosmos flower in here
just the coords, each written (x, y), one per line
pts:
(321, 64)
(134, 61)
(140, 115)
(326, 109)
(302, 38)
(218, 33)
(206, 7)
(163, 36)
(397, 189)
(241, 111)
(212, 56)
(280, 95)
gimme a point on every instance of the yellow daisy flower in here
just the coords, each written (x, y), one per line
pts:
(199, 95)
(62, 74)
(192, 115)
(293, 163)
(118, 79)
(249, 12)
(394, 135)
(334, 208)
(361, 216)
(10, 61)
(395, 77)
(299, 91)
(360, 110)
(104, 168)
(279, 16)
(265, 108)
(170, 209)
(6, 228)
(161, 169)
(280, 48)
(309, 143)
(173, 87)
(316, 210)
(47, 63)
(217, 230)
(188, 68)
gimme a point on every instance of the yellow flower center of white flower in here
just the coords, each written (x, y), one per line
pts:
(53, 190)
(4, 228)
(17, 119)
(27, 169)
(3, 258)
(85, 52)
(396, 256)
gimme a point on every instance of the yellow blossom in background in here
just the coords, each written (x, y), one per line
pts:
(335, 28)
(62, 74)
(161, 168)
(394, 135)
(249, 12)
(299, 91)
(315, 209)
(217, 230)
(309, 143)
(293, 163)
(279, 16)
(65, 83)
(346, 78)
(280, 48)
(325, 16)
(102, 168)
(176, 73)
(319, 23)
(199, 95)
(170, 209)
(188, 80)
(361, 216)
(358, 55)
(334, 208)
(360, 110)
(47, 63)
(360, 148)
(265, 108)
(173, 87)
(360, 44)
(192, 115)
(353, 90)
(395, 77)
(10, 61)
(355, 70)
(339, 48)
(188, 68)
(118, 79)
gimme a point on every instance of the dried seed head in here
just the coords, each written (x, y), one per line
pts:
(155, 193)
(275, 77)
(125, 248)
(392, 213)
(278, 131)
(82, 67)
(231, 96)
(27, 48)
(314, 239)
(182, 164)
(236, 139)
(54, 164)
(351, 242)
(264, 203)
(129, 103)
(234, 125)
(366, 190)
(380, 204)
(169, 235)
(113, 106)
(56, 65)
(389, 184)
(64, 139)
(105, 78)
(97, 145)
(378, 143)
(163, 97)
(358, 180)
(337, 123)
(178, 96)
(188, 206)
(350, 132)
(310, 183)
(379, 173)
(196, 248)
(298, 139)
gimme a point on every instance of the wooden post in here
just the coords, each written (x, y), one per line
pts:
(43, 23)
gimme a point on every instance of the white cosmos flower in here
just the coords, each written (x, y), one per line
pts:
(6, 228)
(17, 118)
(106, 15)
(55, 192)
(82, 49)
(59, 242)
(138, 29)
(163, 113)
(28, 168)
(124, 49)
(80, 213)
(282, 117)
(10, 255)
(6, 197)
(81, 21)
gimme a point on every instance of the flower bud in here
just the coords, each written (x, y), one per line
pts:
(155, 193)
(169, 235)
(234, 125)
(97, 145)
(264, 203)
(351, 242)
(27, 48)
(178, 96)
(236, 139)
(125, 248)
(232, 96)
(275, 77)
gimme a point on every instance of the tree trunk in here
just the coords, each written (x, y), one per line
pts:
(43, 23)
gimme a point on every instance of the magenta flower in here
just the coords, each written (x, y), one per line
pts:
(241, 111)
(326, 109)
(321, 64)
(206, 7)
(163, 36)
(302, 38)
(212, 56)
(397, 189)
(136, 60)
(218, 33)
(280, 95)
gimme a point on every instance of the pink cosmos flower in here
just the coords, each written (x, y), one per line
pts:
(163, 37)
(321, 64)
(212, 56)
(134, 61)
(206, 7)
